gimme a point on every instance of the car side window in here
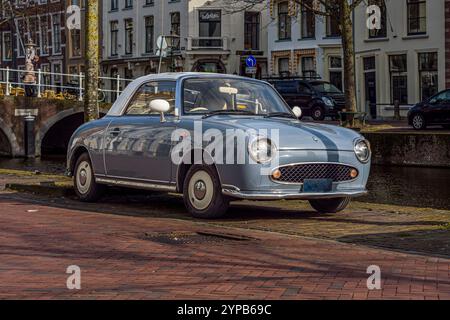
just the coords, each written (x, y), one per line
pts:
(140, 103)
(303, 88)
(286, 86)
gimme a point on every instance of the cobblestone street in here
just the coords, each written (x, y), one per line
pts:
(126, 255)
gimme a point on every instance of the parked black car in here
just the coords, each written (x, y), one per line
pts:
(432, 111)
(316, 98)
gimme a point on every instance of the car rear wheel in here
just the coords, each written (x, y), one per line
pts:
(317, 113)
(418, 122)
(202, 193)
(85, 186)
(329, 205)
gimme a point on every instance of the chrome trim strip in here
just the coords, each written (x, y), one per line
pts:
(300, 163)
(134, 184)
(298, 196)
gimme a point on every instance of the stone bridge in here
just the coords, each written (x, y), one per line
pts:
(55, 121)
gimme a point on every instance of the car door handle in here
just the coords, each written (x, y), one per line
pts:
(115, 132)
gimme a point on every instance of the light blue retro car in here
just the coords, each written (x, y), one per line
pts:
(216, 138)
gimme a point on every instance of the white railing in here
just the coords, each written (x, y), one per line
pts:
(60, 85)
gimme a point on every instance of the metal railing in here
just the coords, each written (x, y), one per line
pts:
(59, 85)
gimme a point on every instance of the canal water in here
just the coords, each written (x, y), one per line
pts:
(408, 186)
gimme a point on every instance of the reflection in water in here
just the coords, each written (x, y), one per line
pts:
(409, 186)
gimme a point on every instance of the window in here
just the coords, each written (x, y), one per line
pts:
(128, 36)
(44, 35)
(210, 24)
(251, 31)
(335, 69)
(57, 78)
(114, 26)
(114, 5)
(128, 4)
(382, 32)
(175, 29)
(308, 20)
(283, 67)
(149, 34)
(417, 17)
(284, 21)
(333, 25)
(308, 67)
(56, 29)
(399, 78)
(149, 2)
(140, 104)
(75, 41)
(428, 73)
(286, 87)
(7, 46)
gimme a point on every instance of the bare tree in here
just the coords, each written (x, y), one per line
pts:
(343, 10)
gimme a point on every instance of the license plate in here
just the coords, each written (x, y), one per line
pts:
(317, 185)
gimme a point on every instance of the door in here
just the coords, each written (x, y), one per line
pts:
(439, 108)
(138, 144)
(371, 92)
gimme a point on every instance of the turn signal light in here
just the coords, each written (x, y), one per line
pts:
(276, 174)
(353, 173)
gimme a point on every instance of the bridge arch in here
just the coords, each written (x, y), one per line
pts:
(55, 132)
(8, 141)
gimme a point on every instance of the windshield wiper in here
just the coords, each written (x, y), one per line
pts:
(280, 114)
(217, 112)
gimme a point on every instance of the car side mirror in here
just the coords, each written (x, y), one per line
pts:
(161, 106)
(297, 111)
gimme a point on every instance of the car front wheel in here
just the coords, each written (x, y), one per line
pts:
(418, 122)
(317, 113)
(85, 186)
(202, 193)
(329, 205)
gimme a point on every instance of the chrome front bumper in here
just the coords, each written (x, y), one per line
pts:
(298, 196)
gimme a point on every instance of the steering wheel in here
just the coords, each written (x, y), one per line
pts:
(198, 109)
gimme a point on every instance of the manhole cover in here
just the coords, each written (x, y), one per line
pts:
(193, 237)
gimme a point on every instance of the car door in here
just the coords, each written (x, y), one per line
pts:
(304, 96)
(288, 90)
(138, 144)
(437, 108)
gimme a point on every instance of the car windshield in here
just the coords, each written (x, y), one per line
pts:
(213, 95)
(325, 87)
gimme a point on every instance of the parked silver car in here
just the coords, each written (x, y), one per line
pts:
(216, 138)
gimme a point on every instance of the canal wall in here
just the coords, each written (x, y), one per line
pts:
(410, 149)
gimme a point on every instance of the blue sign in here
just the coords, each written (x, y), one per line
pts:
(251, 61)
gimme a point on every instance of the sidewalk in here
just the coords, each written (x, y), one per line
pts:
(130, 257)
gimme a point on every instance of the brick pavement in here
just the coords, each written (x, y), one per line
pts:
(38, 242)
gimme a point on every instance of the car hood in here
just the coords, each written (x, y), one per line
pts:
(293, 134)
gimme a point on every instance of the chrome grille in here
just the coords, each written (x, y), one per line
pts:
(299, 172)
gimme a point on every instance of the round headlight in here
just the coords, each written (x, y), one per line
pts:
(362, 150)
(328, 101)
(261, 149)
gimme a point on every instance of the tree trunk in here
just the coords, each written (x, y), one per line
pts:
(348, 48)
(92, 62)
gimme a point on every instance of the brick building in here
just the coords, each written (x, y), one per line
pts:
(42, 22)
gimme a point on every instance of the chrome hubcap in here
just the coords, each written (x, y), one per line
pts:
(200, 190)
(83, 177)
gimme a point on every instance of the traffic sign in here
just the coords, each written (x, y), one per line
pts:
(161, 42)
(251, 61)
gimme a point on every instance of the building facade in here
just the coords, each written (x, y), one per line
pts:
(202, 36)
(405, 60)
(447, 44)
(43, 23)
(301, 43)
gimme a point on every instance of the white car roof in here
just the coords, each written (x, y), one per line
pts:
(122, 100)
